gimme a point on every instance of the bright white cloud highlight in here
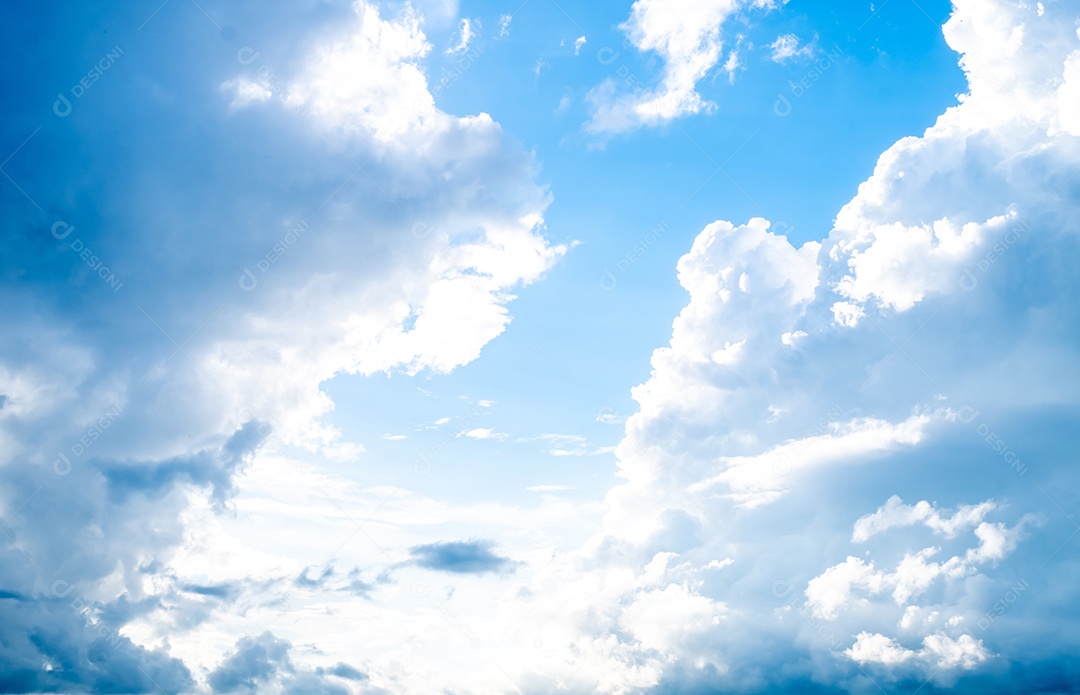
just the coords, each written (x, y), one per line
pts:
(686, 35)
(788, 47)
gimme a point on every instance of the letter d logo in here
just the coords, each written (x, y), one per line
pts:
(608, 282)
(248, 281)
(782, 107)
(61, 466)
(61, 107)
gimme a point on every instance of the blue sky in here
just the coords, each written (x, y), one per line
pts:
(482, 347)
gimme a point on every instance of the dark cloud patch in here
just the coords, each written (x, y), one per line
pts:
(262, 664)
(345, 671)
(205, 468)
(307, 581)
(358, 587)
(254, 662)
(223, 591)
(49, 646)
(460, 557)
(123, 610)
(313, 684)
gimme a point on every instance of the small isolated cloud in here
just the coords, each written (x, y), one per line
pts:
(788, 47)
(731, 65)
(393, 437)
(549, 488)
(484, 433)
(597, 451)
(578, 43)
(504, 25)
(568, 445)
(608, 417)
(459, 557)
(486, 403)
(222, 591)
(465, 35)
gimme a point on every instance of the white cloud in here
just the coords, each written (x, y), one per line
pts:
(578, 43)
(394, 437)
(361, 256)
(568, 445)
(938, 652)
(484, 433)
(787, 48)
(686, 35)
(731, 65)
(465, 36)
(895, 514)
(946, 244)
(685, 581)
(246, 92)
(849, 585)
(504, 25)
(754, 480)
(609, 418)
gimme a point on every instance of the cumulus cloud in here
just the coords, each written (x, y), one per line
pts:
(321, 219)
(686, 35)
(758, 537)
(809, 388)
(938, 651)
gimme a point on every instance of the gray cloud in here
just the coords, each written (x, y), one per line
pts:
(460, 557)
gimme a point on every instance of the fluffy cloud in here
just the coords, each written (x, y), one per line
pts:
(787, 48)
(263, 664)
(276, 212)
(938, 651)
(686, 35)
(759, 538)
(895, 514)
(806, 386)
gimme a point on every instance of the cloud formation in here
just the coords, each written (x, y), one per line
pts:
(686, 36)
(808, 389)
(276, 212)
(459, 557)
